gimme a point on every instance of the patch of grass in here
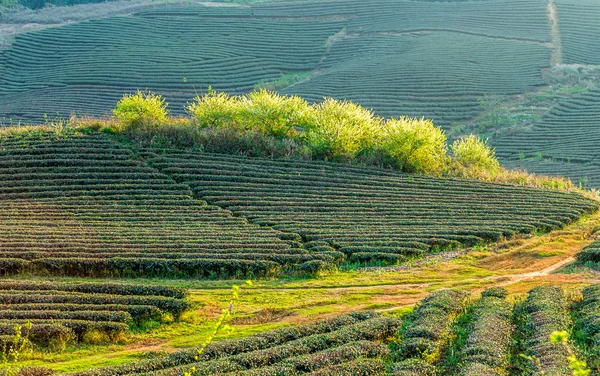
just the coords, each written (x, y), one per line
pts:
(550, 253)
(286, 80)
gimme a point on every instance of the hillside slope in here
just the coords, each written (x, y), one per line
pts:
(88, 205)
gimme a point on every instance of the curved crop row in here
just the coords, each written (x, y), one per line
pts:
(426, 334)
(487, 348)
(83, 205)
(301, 349)
(564, 142)
(432, 59)
(545, 311)
(367, 214)
(62, 312)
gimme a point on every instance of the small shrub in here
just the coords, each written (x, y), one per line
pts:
(342, 129)
(415, 145)
(142, 108)
(473, 153)
(214, 109)
(273, 114)
(95, 337)
(35, 371)
(167, 318)
(312, 267)
(497, 292)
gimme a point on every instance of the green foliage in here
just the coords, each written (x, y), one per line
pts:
(342, 129)
(215, 109)
(427, 333)
(64, 313)
(38, 4)
(415, 145)
(222, 324)
(473, 153)
(544, 312)
(264, 123)
(142, 108)
(14, 349)
(304, 348)
(282, 82)
(273, 114)
(496, 292)
(8, 4)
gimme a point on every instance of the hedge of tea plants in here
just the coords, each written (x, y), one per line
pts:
(365, 213)
(84, 205)
(564, 142)
(59, 312)
(336, 346)
(497, 336)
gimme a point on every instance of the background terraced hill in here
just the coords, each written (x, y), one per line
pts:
(437, 67)
(442, 60)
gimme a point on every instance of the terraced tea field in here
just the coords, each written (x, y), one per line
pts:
(564, 142)
(322, 348)
(117, 252)
(367, 214)
(579, 19)
(60, 313)
(80, 204)
(194, 49)
(450, 333)
(439, 75)
(84, 205)
(377, 55)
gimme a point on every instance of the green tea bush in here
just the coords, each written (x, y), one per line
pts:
(273, 114)
(429, 329)
(342, 129)
(359, 367)
(496, 292)
(141, 108)
(473, 153)
(415, 145)
(545, 311)
(488, 343)
(413, 367)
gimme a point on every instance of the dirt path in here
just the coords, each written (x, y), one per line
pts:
(556, 44)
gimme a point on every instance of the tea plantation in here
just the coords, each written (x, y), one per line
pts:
(449, 333)
(129, 246)
(367, 214)
(87, 204)
(472, 48)
(564, 142)
(54, 314)
(579, 18)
